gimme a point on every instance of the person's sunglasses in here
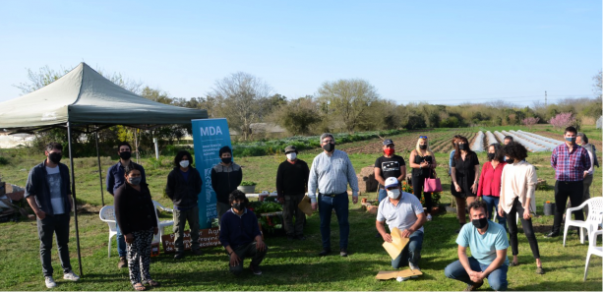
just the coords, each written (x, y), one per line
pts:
(423, 137)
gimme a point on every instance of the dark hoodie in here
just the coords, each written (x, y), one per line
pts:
(183, 192)
(225, 179)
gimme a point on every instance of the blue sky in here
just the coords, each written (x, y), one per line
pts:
(445, 52)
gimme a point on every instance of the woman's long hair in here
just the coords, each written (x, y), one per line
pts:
(457, 153)
(427, 151)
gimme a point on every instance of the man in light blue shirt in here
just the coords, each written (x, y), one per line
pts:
(488, 243)
(330, 175)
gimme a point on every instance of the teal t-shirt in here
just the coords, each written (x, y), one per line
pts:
(484, 246)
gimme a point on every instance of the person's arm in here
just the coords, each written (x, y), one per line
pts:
(32, 203)
(592, 163)
(239, 176)
(435, 163)
(313, 181)
(279, 182)
(476, 170)
(199, 185)
(306, 175)
(453, 176)
(501, 256)
(480, 185)
(450, 160)
(462, 254)
(110, 180)
(31, 192)
(412, 160)
(402, 176)
(421, 219)
(554, 159)
(170, 186)
(381, 229)
(214, 178)
(586, 160)
(67, 181)
(378, 176)
(259, 243)
(352, 180)
(531, 182)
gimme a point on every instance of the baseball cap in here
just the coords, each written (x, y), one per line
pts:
(391, 182)
(290, 149)
(388, 142)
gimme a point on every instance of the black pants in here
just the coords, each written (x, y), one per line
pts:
(248, 250)
(564, 189)
(290, 211)
(528, 230)
(417, 189)
(59, 225)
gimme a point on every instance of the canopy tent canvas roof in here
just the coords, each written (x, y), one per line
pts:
(84, 97)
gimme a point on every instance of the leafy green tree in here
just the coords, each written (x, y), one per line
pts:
(299, 115)
(350, 100)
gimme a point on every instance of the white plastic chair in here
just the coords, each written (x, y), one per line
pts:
(593, 249)
(593, 221)
(107, 214)
(161, 223)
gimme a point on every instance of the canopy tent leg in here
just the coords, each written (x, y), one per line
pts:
(100, 171)
(77, 232)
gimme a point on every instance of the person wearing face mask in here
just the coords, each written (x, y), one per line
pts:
(423, 164)
(291, 184)
(226, 176)
(183, 188)
(403, 211)
(464, 177)
(135, 215)
(570, 161)
(240, 235)
(115, 178)
(489, 182)
(389, 165)
(488, 244)
(330, 175)
(517, 197)
(48, 193)
(582, 140)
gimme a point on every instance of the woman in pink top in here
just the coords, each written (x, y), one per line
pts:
(489, 182)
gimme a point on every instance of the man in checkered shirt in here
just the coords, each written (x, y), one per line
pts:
(569, 160)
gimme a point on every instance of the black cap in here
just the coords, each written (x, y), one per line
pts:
(388, 142)
(290, 149)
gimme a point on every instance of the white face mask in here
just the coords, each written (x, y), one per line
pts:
(393, 194)
(184, 163)
(291, 156)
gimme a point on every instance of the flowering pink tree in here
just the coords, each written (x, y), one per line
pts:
(562, 120)
(529, 122)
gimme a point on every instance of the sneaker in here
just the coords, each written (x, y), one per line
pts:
(71, 276)
(473, 287)
(324, 252)
(539, 271)
(179, 256)
(343, 253)
(414, 268)
(50, 283)
(255, 270)
(122, 263)
(552, 234)
(429, 218)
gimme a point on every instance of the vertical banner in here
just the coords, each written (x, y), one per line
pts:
(209, 135)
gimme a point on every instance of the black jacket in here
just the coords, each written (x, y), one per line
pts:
(37, 186)
(134, 210)
(225, 179)
(184, 193)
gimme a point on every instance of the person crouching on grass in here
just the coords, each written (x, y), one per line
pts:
(240, 235)
(135, 214)
(403, 211)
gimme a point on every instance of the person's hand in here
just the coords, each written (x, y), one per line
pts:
(355, 200)
(314, 206)
(585, 174)
(474, 188)
(476, 277)
(526, 214)
(457, 188)
(281, 200)
(129, 238)
(387, 237)
(155, 230)
(41, 214)
(234, 259)
(260, 245)
(406, 233)
(501, 212)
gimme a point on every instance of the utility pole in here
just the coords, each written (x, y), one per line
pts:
(545, 98)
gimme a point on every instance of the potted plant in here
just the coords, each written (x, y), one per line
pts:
(247, 187)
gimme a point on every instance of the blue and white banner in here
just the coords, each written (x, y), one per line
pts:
(209, 135)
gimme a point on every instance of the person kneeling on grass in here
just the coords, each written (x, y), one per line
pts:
(403, 211)
(488, 243)
(238, 230)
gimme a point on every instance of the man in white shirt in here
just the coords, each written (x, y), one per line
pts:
(405, 212)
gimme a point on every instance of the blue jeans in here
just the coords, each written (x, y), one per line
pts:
(492, 205)
(412, 251)
(497, 279)
(121, 243)
(325, 207)
(382, 195)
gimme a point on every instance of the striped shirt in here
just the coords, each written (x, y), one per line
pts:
(570, 166)
(331, 175)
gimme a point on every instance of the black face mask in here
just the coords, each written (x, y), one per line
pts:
(125, 155)
(423, 147)
(55, 157)
(329, 147)
(227, 160)
(480, 223)
(238, 206)
(463, 146)
(490, 156)
(510, 160)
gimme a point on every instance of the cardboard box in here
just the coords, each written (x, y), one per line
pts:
(398, 244)
(387, 275)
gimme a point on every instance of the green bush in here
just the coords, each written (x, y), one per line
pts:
(3, 161)
(248, 183)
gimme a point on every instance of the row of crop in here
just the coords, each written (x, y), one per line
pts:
(527, 142)
(478, 143)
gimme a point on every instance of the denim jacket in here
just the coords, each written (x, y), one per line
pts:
(37, 186)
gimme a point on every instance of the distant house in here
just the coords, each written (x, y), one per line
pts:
(599, 121)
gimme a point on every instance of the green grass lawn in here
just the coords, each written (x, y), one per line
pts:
(288, 265)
